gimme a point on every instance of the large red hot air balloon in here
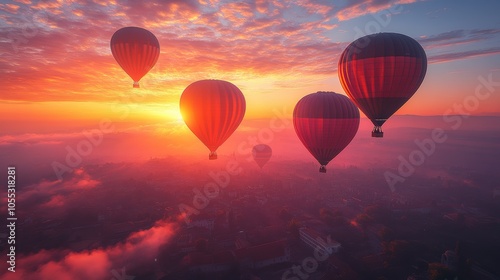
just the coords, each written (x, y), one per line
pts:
(261, 153)
(380, 72)
(212, 109)
(136, 50)
(325, 122)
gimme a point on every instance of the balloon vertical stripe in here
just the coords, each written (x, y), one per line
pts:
(381, 75)
(212, 109)
(136, 50)
(325, 122)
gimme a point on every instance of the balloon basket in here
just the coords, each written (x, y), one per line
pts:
(212, 156)
(377, 132)
(136, 85)
(322, 169)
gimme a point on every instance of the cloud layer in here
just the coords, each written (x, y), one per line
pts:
(59, 50)
(139, 250)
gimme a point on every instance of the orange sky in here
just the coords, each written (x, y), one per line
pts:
(57, 67)
(60, 85)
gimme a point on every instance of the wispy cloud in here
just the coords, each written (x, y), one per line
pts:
(59, 50)
(66, 55)
(458, 36)
(458, 44)
(356, 8)
(440, 58)
(53, 198)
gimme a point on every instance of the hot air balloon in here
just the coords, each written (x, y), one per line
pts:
(212, 109)
(261, 153)
(380, 72)
(136, 50)
(325, 122)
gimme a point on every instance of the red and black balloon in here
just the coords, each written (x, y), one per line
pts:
(136, 50)
(380, 73)
(325, 123)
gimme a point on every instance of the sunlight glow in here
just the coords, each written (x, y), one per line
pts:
(174, 114)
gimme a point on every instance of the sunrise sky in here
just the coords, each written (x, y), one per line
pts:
(56, 62)
(60, 82)
(59, 76)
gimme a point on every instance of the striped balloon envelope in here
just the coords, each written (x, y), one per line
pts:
(212, 109)
(325, 123)
(380, 73)
(136, 50)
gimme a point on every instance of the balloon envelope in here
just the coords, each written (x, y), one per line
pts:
(136, 50)
(380, 73)
(261, 153)
(212, 109)
(325, 123)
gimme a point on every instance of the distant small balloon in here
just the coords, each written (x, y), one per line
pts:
(325, 123)
(136, 50)
(261, 153)
(212, 109)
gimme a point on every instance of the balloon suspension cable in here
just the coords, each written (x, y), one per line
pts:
(377, 132)
(322, 169)
(136, 84)
(212, 155)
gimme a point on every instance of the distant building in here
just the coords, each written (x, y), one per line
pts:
(421, 271)
(254, 257)
(224, 241)
(339, 270)
(185, 243)
(263, 255)
(240, 243)
(315, 240)
(478, 272)
(450, 259)
(209, 263)
(207, 223)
